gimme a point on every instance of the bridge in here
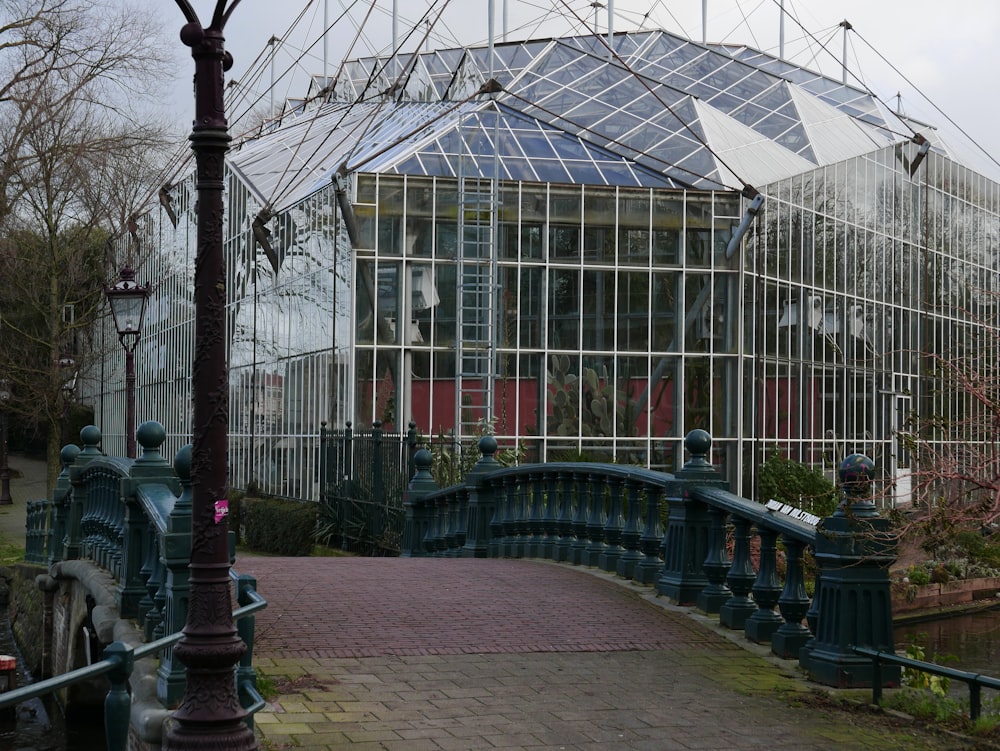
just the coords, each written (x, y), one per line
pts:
(462, 643)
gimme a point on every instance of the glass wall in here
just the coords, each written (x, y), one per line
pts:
(578, 321)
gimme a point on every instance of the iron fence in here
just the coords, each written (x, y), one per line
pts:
(363, 476)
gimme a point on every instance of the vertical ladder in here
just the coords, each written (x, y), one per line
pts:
(477, 308)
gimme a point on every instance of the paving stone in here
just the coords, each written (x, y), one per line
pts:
(443, 654)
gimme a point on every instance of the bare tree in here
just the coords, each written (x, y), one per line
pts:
(77, 141)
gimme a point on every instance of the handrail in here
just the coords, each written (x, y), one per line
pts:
(975, 681)
(107, 664)
(758, 513)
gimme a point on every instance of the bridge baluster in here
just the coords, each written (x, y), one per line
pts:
(812, 615)
(578, 547)
(632, 532)
(462, 520)
(536, 517)
(511, 500)
(522, 525)
(716, 565)
(145, 575)
(648, 569)
(160, 598)
(496, 521)
(439, 541)
(564, 521)
(116, 542)
(153, 616)
(449, 538)
(430, 517)
(613, 526)
(455, 538)
(764, 622)
(791, 636)
(551, 518)
(595, 522)
(738, 608)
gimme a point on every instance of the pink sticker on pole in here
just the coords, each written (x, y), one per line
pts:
(221, 510)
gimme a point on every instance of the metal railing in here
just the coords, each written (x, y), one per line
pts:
(117, 663)
(133, 520)
(688, 536)
(975, 681)
(363, 476)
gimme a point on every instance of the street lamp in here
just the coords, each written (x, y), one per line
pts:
(210, 715)
(5, 499)
(128, 307)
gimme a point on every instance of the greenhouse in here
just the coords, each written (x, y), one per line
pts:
(586, 250)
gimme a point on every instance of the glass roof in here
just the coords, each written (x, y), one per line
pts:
(662, 110)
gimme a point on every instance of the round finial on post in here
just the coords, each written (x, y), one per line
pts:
(422, 460)
(488, 448)
(151, 436)
(422, 482)
(68, 454)
(857, 472)
(90, 436)
(698, 443)
(182, 468)
(182, 465)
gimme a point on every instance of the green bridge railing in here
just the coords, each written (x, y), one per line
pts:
(688, 536)
(131, 518)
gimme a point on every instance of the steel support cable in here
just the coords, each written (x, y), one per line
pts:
(913, 134)
(746, 22)
(927, 99)
(366, 122)
(170, 172)
(643, 81)
(297, 61)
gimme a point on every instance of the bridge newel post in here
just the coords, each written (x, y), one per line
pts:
(481, 502)
(688, 524)
(417, 516)
(175, 551)
(854, 549)
(90, 436)
(60, 504)
(118, 701)
(150, 467)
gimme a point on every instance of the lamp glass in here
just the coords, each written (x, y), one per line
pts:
(128, 310)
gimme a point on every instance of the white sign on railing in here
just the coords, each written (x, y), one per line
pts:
(795, 513)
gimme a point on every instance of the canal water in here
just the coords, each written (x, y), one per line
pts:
(37, 724)
(967, 642)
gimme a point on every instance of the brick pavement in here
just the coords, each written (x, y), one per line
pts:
(415, 654)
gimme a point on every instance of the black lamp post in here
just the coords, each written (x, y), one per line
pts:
(128, 307)
(210, 715)
(5, 499)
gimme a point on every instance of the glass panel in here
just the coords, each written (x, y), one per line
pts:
(564, 309)
(633, 311)
(598, 310)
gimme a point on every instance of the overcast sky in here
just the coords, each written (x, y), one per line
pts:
(945, 53)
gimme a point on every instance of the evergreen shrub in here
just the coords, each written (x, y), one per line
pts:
(277, 526)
